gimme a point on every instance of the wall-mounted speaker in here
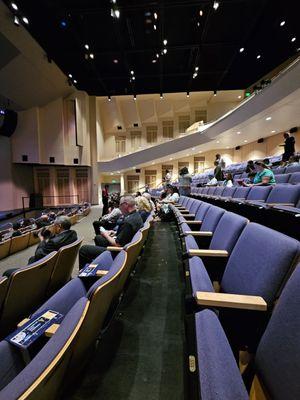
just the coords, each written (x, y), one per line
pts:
(260, 140)
(52, 159)
(138, 171)
(25, 157)
(135, 125)
(119, 127)
(238, 147)
(8, 122)
(75, 161)
(293, 130)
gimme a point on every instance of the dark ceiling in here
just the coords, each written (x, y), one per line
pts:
(210, 42)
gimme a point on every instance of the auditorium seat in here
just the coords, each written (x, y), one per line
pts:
(258, 266)
(294, 178)
(27, 289)
(3, 290)
(282, 178)
(42, 377)
(33, 238)
(292, 169)
(223, 240)
(279, 170)
(191, 209)
(277, 360)
(63, 267)
(19, 243)
(200, 214)
(4, 248)
(282, 194)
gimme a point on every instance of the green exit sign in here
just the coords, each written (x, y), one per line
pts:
(247, 94)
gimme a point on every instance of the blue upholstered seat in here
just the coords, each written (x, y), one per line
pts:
(293, 168)
(295, 178)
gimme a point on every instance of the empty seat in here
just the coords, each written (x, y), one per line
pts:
(4, 248)
(292, 168)
(241, 193)
(284, 194)
(228, 192)
(276, 363)
(282, 178)
(295, 178)
(279, 170)
(259, 265)
(64, 265)
(198, 217)
(259, 193)
(19, 243)
(27, 289)
(33, 238)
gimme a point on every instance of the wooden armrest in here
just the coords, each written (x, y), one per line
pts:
(279, 204)
(249, 201)
(23, 322)
(231, 301)
(198, 233)
(184, 211)
(101, 272)
(195, 222)
(208, 253)
(188, 215)
(114, 248)
(51, 330)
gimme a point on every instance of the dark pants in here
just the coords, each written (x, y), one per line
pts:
(88, 253)
(9, 272)
(106, 224)
(105, 205)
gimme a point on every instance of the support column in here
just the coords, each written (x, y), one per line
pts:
(122, 184)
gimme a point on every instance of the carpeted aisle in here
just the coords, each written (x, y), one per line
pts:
(141, 355)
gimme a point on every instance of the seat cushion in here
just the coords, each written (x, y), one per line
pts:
(200, 280)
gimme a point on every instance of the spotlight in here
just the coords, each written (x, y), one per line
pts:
(117, 13)
(116, 61)
(165, 42)
(293, 39)
(92, 56)
(165, 51)
(154, 60)
(87, 46)
(14, 6)
(258, 57)
(201, 13)
(70, 76)
(75, 81)
(133, 78)
(157, 55)
(242, 49)
(154, 27)
(16, 21)
(195, 75)
(282, 23)
(109, 98)
(155, 15)
(196, 68)
(132, 72)
(25, 20)
(216, 5)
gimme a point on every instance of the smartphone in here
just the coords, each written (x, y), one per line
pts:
(102, 229)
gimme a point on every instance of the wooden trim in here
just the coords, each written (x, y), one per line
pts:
(208, 253)
(227, 300)
(188, 215)
(194, 222)
(114, 248)
(198, 233)
(101, 272)
(51, 330)
(23, 322)
(257, 391)
(279, 204)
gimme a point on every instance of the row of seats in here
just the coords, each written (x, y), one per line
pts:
(249, 265)
(28, 287)
(86, 305)
(19, 243)
(275, 206)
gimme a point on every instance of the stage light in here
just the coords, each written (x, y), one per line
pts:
(132, 72)
(201, 13)
(154, 27)
(258, 56)
(165, 51)
(157, 55)
(196, 68)
(293, 39)
(116, 61)
(154, 61)
(155, 15)
(165, 42)
(216, 5)
(75, 81)
(14, 6)
(238, 133)
(92, 56)
(282, 23)
(117, 13)
(87, 46)
(70, 76)
(242, 49)
(25, 20)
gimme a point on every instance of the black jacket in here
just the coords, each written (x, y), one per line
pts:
(55, 243)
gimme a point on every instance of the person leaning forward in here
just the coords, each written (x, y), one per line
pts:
(131, 224)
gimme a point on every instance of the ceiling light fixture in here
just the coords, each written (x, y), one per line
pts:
(134, 97)
(117, 13)
(63, 24)
(196, 68)
(268, 118)
(165, 42)
(238, 133)
(155, 15)
(187, 94)
(227, 147)
(165, 51)
(193, 148)
(258, 56)
(14, 6)
(154, 27)
(282, 23)
(25, 20)
(273, 131)
(116, 61)
(195, 75)
(132, 72)
(216, 5)
(201, 13)
(218, 141)
(16, 21)
(245, 141)
(242, 49)
(86, 46)
(154, 60)
(157, 55)
(161, 96)
(75, 81)
(70, 76)
(215, 93)
(293, 39)
(92, 56)
(239, 97)
(171, 159)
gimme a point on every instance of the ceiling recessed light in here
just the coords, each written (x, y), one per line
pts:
(227, 147)
(14, 6)
(215, 93)
(154, 27)
(218, 141)
(165, 51)
(195, 75)
(293, 39)
(188, 155)
(282, 23)
(258, 56)
(157, 55)
(87, 46)
(133, 78)
(242, 49)
(152, 163)
(155, 15)
(116, 61)
(245, 141)
(273, 131)
(193, 148)
(75, 81)
(196, 68)
(200, 151)
(238, 133)
(171, 159)
(134, 97)
(109, 98)
(132, 72)
(92, 56)
(16, 20)
(268, 118)
(216, 5)
(198, 24)
(154, 60)
(25, 20)
(239, 97)
(70, 76)
(161, 96)
(117, 13)
(187, 94)
(201, 13)
(165, 42)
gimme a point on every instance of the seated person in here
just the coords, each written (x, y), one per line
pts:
(267, 163)
(62, 237)
(162, 206)
(264, 176)
(43, 221)
(108, 221)
(148, 197)
(131, 224)
(293, 160)
(16, 226)
(228, 180)
(143, 207)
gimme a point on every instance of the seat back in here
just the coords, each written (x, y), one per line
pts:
(282, 178)
(228, 231)
(33, 238)
(201, 212)
(211, 190)
(3, 290)
(259, 192)
(4, 248)
(219, 190)
(279, 170)
(280, 347)
(294, 178)
(63, 268)
(228, 191)
(259, 263)
(19, 243)
(194, 207)
(74, 219)
(241, 193)
(27, 288)
(293, 168)
(212, 218)
(145, 232)
(284, 194)
(43, 377)
(133, 250)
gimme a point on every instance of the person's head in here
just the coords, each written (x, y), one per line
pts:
(106, 186)
(16, 226)
(62, 223)
(286, 135)
(228, 176)
(218, 156)
(260, 166)
(26, 222)
(170, 189)
(250, 162)
(266, 161)
(143, 204)
(175, 189)
(127, 204)
(138, 194)
(44, 217)
(147, 196)
(184, 171)
(167, 171)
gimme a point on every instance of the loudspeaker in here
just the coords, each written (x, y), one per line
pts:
(138, 171)
(260, 140)
(135, 125)
(9, 123)
(25, 157)
(52, 159)
(76, 161)
(119, 127)
(238, 147)
(36, 200)
(293, 130)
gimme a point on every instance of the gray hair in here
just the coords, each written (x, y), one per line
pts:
(64, 221)
(130, 200)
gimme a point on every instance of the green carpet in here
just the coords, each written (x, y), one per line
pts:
(140, 357)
